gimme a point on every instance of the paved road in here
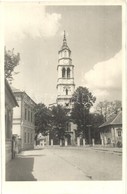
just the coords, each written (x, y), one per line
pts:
(65, 165)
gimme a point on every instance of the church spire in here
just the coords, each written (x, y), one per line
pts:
(65, 81)
(64, 39)
(65, 42)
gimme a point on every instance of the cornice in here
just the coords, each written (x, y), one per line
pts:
(65, 58)
(64, 98)
(65, 85)
(71, 78)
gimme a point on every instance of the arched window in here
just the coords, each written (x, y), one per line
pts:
(68, 72)
(63, 72)
(66, 91)
(65, 53)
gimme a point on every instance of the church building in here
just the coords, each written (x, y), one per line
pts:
(66, 85)
(65, 89)
(65, 81)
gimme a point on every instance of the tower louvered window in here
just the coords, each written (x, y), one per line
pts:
(68, 72)
(63, 72)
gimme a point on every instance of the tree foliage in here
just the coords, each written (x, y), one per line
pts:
(84, 97)
(82, 100)
(106, 108)
(11, 60)
(52, 121)
(59, 121)
(42, 119)
(96, 120)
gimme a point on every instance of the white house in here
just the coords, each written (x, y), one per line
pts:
(111, 130)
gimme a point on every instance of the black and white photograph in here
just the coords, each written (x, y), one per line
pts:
(63, 93)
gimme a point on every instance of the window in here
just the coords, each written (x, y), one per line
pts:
(119, 133)
(25, 137)
(28, 137)
(65, 53)
(28, 115)
(31, 117)
(108, 141)
(63, 72)
(31, 138)
(68, 72)
(66, 91)
(25, 114)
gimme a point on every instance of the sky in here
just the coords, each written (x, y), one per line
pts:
(94, 36)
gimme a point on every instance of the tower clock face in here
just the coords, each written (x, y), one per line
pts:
(65, 61)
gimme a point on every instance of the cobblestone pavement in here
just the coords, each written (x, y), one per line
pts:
(65, 164)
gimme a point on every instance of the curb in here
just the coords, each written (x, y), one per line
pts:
(85, 148)
(110, 151)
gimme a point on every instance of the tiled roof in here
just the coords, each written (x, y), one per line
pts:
(114, 120)
(18, 91)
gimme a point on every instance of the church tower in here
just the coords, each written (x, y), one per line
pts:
(65, 71)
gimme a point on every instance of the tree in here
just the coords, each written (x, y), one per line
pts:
(82, 100)
(106, 108)
(59, 121)
(116, 106)
(11, 60)
(42, 119)
(103, 109)
(96, 120)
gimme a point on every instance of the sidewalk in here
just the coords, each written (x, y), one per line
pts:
(96, 147)
(108, 149)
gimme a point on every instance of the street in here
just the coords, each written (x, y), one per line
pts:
(65, 164)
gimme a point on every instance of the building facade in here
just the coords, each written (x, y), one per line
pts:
(23, 120)
(10, 103)
(111, 131)
(65, 72)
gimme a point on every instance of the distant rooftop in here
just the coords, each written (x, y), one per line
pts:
(115, 119)
(15, 90)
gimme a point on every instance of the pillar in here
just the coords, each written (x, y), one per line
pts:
(84, 142)
(51, 142)
(66, 142)
(93, 142)
(102, 141)
(47, 140)
(105, 140)
(43, 143)
(60, 142)
(78, 141)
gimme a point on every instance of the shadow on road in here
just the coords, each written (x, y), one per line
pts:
(33, 155)
(20, 169)
(33, 150)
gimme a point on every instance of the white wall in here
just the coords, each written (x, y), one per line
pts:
(17, 111)
(16, 129)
